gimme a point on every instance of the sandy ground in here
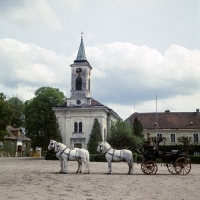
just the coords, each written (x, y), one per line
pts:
(36, 178)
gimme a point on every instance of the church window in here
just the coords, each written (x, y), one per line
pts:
(75, 127)
(78, 83)
(80, 127)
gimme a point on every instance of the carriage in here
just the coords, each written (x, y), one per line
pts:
(176, 161)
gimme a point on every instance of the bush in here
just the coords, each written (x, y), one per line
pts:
(50, 155)
(194, 159)
(97, 158)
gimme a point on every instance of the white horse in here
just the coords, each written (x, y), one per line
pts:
(64, 154)
(116, 155)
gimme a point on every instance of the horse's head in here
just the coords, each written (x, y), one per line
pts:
(100, 147)
(53, 145)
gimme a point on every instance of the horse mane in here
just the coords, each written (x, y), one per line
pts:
(61, 145)
(106, 145)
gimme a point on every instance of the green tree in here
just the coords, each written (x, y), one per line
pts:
(137, 128)
(40, 121)
(5, 116)
(17, 106)
(121, 136)
(95, 137)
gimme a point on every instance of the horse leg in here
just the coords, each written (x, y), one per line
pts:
(130, 164)
(109, 166)
(61, 165)
(65, 165)
(79, 166)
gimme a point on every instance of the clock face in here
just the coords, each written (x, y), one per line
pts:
(78, 70)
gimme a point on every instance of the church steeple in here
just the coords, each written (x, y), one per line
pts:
(80, 80)
(81, 57)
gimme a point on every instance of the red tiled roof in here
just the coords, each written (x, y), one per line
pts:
(168, 120)
(13, 137)
(95, 103)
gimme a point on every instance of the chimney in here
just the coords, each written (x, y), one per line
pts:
(197, 110)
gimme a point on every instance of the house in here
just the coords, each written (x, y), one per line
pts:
(170, 125)
(15, 143)
(76, 116)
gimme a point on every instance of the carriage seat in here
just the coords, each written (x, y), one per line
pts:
(175, 152)
(161, 152)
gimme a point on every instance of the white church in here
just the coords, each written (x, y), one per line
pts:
(76, 116)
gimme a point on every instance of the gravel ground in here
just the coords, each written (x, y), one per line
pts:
(39, 179)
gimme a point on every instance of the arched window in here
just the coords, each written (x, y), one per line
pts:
(78, 83)
(75, 127)
(80, 127)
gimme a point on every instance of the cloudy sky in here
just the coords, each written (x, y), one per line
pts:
(139, 49)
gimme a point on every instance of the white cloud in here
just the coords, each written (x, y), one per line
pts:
(123, 74)
(26, 12)
(130, 73)
(28, 66)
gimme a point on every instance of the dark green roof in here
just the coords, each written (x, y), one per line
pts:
(81, 57)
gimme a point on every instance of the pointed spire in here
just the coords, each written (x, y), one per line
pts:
(81, 57)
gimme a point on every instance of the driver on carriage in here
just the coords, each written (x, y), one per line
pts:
(147, 142)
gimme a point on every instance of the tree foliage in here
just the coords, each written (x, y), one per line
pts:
(5, 116)
(17, 107)
(40, 120)
(137, 128)
(121, 136)
(95, 137)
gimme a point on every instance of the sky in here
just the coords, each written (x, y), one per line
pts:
(145, 54)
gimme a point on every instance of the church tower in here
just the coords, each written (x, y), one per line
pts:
(76, 116)
(80, 80)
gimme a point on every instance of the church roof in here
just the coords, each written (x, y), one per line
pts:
(93, 103)
(81, 57)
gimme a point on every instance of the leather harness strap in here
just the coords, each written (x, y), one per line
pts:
(113, 154)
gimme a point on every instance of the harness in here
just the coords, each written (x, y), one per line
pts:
(113, 153)
(68, 154)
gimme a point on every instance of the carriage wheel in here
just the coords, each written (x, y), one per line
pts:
(171, 168)
(182, 166)
(149, 167)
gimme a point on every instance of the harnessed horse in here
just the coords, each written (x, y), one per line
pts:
(116, 155)
(64, 154)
